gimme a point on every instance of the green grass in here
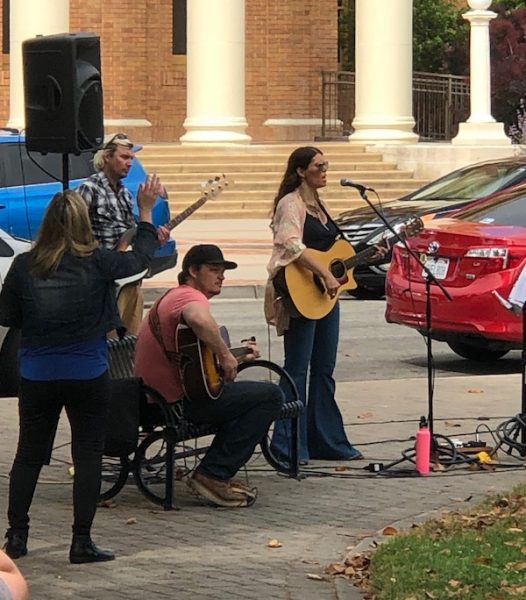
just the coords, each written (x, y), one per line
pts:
(475, 555)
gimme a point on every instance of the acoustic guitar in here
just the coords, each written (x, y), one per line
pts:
(201, 373)
(306, 290)
(209, 190)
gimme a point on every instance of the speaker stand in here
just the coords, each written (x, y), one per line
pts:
(65, 171)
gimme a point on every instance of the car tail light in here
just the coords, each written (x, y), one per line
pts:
(485, 260)
(401, 259)
(488, 253)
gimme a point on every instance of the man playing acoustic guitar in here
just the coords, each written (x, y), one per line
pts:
(110, 206)
(243, 410)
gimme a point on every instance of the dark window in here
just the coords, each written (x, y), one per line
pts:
(179, 27)
(473, 182)
(5, 249)
(5, 26)
(510, 211)
(21, 170)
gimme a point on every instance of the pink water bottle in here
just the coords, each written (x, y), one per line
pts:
(423, 447)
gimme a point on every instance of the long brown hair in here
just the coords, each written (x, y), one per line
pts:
(299, 159)
(65, 228)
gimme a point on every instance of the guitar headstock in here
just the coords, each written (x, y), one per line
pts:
(413, 226)
(407, 229)
(213, 187)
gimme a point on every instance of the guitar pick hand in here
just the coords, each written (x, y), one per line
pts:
(254, 350)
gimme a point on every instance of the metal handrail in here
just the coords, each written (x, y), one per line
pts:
(440, 103)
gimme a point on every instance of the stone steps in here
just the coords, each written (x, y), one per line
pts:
(254, 173)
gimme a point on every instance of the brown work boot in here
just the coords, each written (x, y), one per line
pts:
(220, 493)
(244, 488)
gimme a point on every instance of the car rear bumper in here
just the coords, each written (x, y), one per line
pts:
(473, 312)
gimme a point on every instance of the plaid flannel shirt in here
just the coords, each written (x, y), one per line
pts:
(110, 211)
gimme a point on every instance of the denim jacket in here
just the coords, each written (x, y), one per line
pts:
(77, 302)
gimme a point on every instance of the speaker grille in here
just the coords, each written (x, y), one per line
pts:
(63, 93)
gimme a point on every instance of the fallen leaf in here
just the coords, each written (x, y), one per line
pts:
(451, 424)
(389, 530)
(335, 569)
(515, 530)
(108, 504)
(475, 391)
(454, 583)
(516, 590)
(466, 499)
(483, 560)
(342, 468)
(315, 577)
(275, 544)
(365, 415)
(131, 521)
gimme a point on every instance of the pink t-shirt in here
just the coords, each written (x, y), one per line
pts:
(151, 363)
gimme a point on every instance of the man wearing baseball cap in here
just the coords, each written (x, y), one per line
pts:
(244, 410)
(110, 205)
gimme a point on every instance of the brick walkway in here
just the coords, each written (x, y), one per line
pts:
(199, 552)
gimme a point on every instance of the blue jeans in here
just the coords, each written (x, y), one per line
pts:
(313, 345)
(244, 412)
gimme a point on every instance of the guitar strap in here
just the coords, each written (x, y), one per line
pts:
(155, 327)
(329, 218)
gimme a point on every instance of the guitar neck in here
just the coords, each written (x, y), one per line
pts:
(186, 213)
(240, 352)
(363, 256)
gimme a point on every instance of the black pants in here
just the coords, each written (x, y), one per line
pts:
(39, 407)
(244, 412)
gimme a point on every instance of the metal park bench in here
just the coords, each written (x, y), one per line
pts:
(160, 442)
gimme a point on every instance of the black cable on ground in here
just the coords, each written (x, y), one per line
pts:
(509, 434)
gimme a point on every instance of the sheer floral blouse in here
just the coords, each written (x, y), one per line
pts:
(287, 228)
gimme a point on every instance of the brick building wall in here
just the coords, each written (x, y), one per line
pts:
(288, 44)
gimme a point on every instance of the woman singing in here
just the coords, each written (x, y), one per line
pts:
(301, 221)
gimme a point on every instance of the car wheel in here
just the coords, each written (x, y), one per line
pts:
(9, 375)
(364, 294)
(476, 352)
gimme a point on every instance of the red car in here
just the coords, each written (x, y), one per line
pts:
(478, 251)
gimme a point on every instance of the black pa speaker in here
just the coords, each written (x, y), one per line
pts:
(63, 93)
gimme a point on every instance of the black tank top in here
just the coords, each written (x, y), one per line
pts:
(317, 235)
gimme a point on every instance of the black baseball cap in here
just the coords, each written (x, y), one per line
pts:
(206, 254)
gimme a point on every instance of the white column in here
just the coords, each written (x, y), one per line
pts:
(384, 72)
(215, 72)
(481, 127)
(28, 19)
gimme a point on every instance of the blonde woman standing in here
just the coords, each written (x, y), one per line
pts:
(61, 294)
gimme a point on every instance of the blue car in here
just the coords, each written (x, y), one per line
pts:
(28, 181)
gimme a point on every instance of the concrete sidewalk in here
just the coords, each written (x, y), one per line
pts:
(203, 553)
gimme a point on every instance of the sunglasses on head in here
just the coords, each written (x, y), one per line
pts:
(115, 139)
(322, 166)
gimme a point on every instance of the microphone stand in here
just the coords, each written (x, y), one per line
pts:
(429, 279)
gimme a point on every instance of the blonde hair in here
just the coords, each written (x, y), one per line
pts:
(109, 149)
(65, 228)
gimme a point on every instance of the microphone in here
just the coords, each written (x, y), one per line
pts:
(346, 182)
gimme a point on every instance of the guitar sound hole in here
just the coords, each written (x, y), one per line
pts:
(338, 269)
